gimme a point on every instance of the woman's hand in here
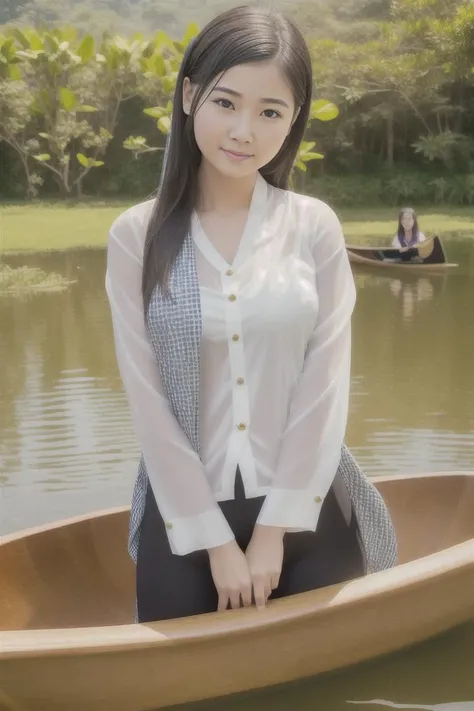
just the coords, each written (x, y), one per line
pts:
(231, 575)
(265, 558)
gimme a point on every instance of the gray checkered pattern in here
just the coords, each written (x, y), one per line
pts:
(375, 525)
(174, 328)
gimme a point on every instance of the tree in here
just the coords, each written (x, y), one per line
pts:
(15, 117)
(70, 98)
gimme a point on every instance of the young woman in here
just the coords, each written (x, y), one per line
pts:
(231, 300)
(408, 232)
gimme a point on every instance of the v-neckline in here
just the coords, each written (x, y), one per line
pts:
(254, 217)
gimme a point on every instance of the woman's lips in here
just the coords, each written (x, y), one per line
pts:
(233, 155)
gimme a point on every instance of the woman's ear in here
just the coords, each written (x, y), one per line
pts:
(188, 93)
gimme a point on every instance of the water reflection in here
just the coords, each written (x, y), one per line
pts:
(409, 292)
(67, 444)
(408, 296)
(435, 672)
(412, 381)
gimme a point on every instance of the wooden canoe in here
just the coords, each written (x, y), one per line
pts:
(67, 603)
(429, 256)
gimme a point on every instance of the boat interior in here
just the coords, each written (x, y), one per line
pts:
(79, 574)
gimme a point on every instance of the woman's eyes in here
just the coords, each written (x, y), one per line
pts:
(276, 114)
(226, 104)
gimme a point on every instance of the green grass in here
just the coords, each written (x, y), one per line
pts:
(58, 226)
(53, 226)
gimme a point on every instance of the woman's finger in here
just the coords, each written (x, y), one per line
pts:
(259, 592)
(268, 591)
(222, 602)
(235, 599)
(247, 595)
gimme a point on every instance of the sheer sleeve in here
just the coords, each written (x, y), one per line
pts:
(311, 444)
(184, 498)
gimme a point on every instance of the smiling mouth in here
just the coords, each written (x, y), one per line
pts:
(237, 154)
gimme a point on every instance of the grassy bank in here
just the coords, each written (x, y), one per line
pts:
(53, 226)
(56, 226)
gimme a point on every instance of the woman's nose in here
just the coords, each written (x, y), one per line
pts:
(241, 129)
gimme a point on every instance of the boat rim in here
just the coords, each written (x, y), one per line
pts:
(76, 641)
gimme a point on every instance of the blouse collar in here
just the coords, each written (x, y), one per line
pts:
(251, 230)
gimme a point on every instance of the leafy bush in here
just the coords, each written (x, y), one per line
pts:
(398, 188)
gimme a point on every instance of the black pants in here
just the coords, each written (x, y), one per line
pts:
(171, 586)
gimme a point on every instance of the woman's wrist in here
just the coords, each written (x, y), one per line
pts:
(215, 550)
(263, 531)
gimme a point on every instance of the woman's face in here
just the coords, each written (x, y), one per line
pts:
(407, 221)
(243, 122)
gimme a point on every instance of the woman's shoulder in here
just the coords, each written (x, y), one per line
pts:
(313, 205)
(310, 210)
(132, 222)
(317, 224)
(319, 221)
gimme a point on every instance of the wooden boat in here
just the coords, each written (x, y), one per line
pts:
(67, 604)
(429, 256)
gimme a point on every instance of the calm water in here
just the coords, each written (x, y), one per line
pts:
(67, 446)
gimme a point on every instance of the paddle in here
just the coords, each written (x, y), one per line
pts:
(424, 249)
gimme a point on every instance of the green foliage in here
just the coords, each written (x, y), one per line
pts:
(394, 189)
(70, 98)
(394, 85)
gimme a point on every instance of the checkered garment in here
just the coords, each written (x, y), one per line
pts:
(174, 329)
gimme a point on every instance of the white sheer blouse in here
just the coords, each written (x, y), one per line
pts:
(275, 367)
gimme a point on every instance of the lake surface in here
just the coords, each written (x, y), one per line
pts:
(67, 446)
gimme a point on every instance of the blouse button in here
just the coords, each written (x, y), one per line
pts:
(242, 426)
(168, 524)
(318, 499)
(229, 272)
(232, 297)
(240, 381)
(235, 337)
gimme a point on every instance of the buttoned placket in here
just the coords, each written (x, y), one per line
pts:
(238, 447)
(240, 402)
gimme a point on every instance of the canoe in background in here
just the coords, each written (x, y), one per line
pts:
(68, 642)
(429, 256)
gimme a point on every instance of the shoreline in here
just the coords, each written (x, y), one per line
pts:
(50, 227)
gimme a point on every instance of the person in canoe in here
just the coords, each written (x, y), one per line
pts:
(231, 301)
(408, 232)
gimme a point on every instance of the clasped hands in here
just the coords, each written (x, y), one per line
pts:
(242, 578)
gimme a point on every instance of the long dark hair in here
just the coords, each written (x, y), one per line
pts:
(238, 36)
(401, 230)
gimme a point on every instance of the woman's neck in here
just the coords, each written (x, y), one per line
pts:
(220, 193)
